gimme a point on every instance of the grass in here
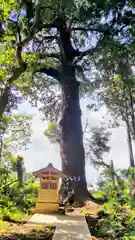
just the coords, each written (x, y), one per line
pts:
(98, 195)
(17, 217)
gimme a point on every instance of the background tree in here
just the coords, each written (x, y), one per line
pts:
(97, 144)
(119, 99)
(20, 169)
(16, 134)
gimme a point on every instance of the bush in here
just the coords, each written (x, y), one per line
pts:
(16, 200)
(119, 222)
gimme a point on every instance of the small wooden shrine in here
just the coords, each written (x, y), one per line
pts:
(48, 196)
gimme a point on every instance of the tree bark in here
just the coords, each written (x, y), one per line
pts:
(71, 143)
(131, 156)
(130, 130)
(132, 111)
(71, 139)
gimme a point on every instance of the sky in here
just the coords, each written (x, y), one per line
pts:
(40, 152)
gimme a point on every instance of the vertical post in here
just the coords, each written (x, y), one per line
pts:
(112, 171)
(131, 156)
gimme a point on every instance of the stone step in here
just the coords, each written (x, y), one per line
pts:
(67, 227)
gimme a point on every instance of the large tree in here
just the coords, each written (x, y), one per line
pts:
(60, 40)
(119, 98)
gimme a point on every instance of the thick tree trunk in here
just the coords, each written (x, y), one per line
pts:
(132, 110)
(72, 150)
(131, 156)
(71, 143)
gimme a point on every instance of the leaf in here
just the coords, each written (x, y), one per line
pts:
(52, 126)
(7, 141)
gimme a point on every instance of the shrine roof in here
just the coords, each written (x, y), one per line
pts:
(49, 169)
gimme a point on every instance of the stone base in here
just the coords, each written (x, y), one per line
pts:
(46, 207)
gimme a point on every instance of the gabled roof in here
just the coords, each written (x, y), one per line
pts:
(50, 168)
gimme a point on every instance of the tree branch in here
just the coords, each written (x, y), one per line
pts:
(50, 38)
(17, 72)
(22, 66)
(32, 32)
(85, 127)
(102, 30)
(91, 51)
(97, 200)
(53, 55)
(103, 164)
(4, 97)
(45, 55)
(52, 72)
(21, 63)
(9, 184)
(87, 52)
(66, 47)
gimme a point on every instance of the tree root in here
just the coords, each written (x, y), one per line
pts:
(71, 199)
(99, 201)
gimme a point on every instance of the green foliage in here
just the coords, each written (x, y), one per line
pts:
(18, 189)
(97, 144)
(105, 41)
(17, 129)
(53, 132)
(119, 99)
(51, 128)
(19, 169)
(16, 201)
(118, 223)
